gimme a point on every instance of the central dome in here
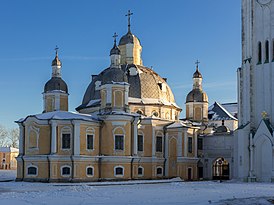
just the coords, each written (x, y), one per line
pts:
(129, 38)
(145, 84)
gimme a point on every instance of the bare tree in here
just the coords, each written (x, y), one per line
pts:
(9, 137)
(3, 136)
(13, 137)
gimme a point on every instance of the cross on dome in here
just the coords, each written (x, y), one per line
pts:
(115, 36)
(197, 64)
(129, 13)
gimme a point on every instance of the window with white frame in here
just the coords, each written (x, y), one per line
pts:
(66, 138)
(140, 143)
(159, 171)
(90, 171)
(140, 171)
(119, 171)
(159, 144)
(32, 170)
(119, 142)
(65, 171)
(90, 142)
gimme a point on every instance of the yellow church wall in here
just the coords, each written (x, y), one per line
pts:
(147, 137)
(64, 103)
(61, 151)
(49, 103)
(80, 171)
(42, 170)
(107, 170)
(108, 132)
(117, 97)
(83, 140)
(37, 139)
(183, 170)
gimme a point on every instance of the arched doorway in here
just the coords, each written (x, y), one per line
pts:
(220, 169)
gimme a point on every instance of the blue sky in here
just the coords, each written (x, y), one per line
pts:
(174, 34)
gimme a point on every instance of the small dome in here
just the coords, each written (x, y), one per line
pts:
(128, 38)
(56, 61)
(222, 129)
(113, 74)
(56, 83)
(196, 95)
(115, 50)
(197, 74)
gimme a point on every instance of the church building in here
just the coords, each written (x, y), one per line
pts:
(127, 126)
(254, 140)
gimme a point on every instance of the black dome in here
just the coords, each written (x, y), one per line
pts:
(222, 129)
(196, 95)
(113, 74)
(197, 74)
(115, 50)
(56, 83)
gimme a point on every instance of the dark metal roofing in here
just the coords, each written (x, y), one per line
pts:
(128, 38)
(218, 112)
(56, 83)
(196, 95)
(56, 61)
(197, 74)
(115, 50)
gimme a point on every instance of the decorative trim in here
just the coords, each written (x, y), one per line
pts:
(119, 175)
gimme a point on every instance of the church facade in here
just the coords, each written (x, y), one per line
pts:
(254, 140)
(127, 126)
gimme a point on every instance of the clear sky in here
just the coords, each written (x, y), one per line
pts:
(174, 34)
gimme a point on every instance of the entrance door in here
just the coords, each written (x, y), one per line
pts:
(189, 174)
(220, 169)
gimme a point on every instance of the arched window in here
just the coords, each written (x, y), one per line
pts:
(90, 138)
(118, 171)
(266, 52)
(159, 171)
(139, 112)
(90, 171)
(33, 137)
(119, 138)
(66, 138)
(65, 171)
(259, 53)
(32, 170)
(154, 113)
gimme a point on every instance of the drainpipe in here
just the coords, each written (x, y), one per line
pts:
(23, 154)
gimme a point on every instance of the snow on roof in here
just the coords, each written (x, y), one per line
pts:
(151, 101)
(218, 112)
(177, 125)
(8, 149)
(232, 108)
(93, 102)
(61, 115)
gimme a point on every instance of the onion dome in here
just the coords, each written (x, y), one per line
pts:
(56, 61)
(196, 95)
(197, 73)
(56, 84)
(222, 129)
(115, 50)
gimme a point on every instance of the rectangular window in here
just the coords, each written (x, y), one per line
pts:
(89, 141)
(159, 144)
(200, 144)
(140, 143)
(65, 141)
(190, 144)
(119, 142)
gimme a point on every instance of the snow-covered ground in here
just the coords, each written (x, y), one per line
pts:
(162, 193)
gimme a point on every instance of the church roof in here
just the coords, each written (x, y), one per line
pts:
(145, 85)
(196, 95)
(61, 115)
(218, 112)
(128, 38)
(8, 149)
(56, 83)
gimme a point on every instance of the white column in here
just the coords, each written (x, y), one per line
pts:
(21, 139)
(195, 140)
(251, 155)
(57, 101)
(166, 154)
(180, 144)
(76, 138)
(126, 94)
(153, 143)
(109, 94)
(185, 143)
(53, 137)
(135, 137)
